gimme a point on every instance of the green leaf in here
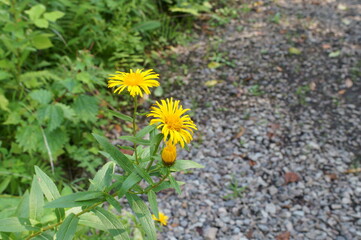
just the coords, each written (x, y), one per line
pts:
(13, 118)
(121, 116)
(28, 137)
(181, 165)
(4, 75)
(102, 178)
(334, 54)
(41, 23)
(152, 198)
(112, 201)
(116, 155)
(12, 224)
(55, 115)
(294, 51)
(143, 215)
(36, 201)
(185, 10)
(147, 25)
(90, 220)
(36, 11)
(68, 228)
(41, 96)
(4, 102)
(86, 108)
(67, 110)
(56, 140)
(5, 182)
(53, 16)
(49, 189)
(175, 184)
(42, 42)
(158, 92)
(166, 185)
(145, 130)
(44, 236)
(128, 183)
(113, 224)
(136, 140)
(76, 200)
(22, 211)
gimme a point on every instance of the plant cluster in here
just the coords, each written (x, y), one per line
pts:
(53, 55)
(146, 171)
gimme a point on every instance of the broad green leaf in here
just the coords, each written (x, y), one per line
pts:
(55, 115)
(116, 155)
(49, 189)
(5, 182)
(56, 140)
(145, 131)
(152, 198)
(42, 42)
(112, 223)
(68, 228)
(102, 178)
(67, 110)
(142, 213)
(29, 137)
(4, 75)
(41, 23)
(4, 103)
(181, 165)
(147, 25)
(53, 16)
(86, 108)
(36, 201)
(36, 11)
(76, 200)
(12, 224)
(41, 96)
(135, 140)
(121, 116)
(13, 118)
(112, 201)
(175, 184)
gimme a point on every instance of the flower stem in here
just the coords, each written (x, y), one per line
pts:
(134, 128)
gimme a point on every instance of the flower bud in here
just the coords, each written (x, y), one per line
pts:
(169, 154)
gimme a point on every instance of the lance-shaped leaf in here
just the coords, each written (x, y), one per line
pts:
(77, 200)
(181, 165)
(145, 130)
(102, 178)
(68, 228)
(143, 215)
(121, 116)
(152, 198)
(112, 223)
(36, 201)
(175, 184)
(49, 189)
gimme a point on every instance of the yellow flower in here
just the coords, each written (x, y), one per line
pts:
(169, 114)
(135, 81)
(169, 154)
(163, 219)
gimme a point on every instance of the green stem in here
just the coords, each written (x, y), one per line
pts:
(134, 128)
(152, 156)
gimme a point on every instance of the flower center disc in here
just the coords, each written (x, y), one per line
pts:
(173, 122)
(133, 79)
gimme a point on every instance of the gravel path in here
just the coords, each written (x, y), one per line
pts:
(282, 124)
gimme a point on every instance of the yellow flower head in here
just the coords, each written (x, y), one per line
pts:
(163, 219)
(135, 81)
(178, 128)
(169, 154)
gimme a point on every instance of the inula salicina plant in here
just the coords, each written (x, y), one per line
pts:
(96, 213)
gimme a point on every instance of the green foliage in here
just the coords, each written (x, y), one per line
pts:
(54, 57)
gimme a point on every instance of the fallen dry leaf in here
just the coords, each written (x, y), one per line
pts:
(118, 128)
(242, 130)
(279, 69)
(348, 83)
(326, 46)
(291, 177)
(284, 236)
(127, 151)
(332, 176)
(212, 83)
(312, 86)
(353, 170)
(252, 163)
(341, 92)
